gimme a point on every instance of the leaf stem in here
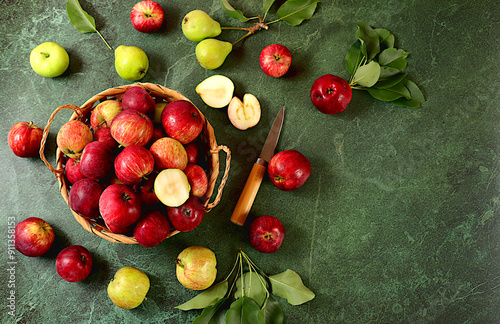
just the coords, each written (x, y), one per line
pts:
(252, 30)
(103, 39)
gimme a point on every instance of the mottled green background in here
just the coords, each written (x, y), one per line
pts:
(399, 221)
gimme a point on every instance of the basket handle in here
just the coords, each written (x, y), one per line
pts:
(218, 197)
(45, 134)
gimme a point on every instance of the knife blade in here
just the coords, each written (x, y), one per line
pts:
(254, 180)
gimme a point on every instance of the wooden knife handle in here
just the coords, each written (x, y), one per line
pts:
(249, 193)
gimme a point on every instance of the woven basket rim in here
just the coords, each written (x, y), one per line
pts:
(156, 91)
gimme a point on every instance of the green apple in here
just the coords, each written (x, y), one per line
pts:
(157, 113)
(131, 62)
(49, 59)
(196, 267)
(128, 288)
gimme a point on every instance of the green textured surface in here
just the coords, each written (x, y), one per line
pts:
(399, 221)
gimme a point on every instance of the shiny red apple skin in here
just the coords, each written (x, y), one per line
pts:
(33, 237)
(197, 178)
(74, 263)
(152, 228)
(121, 230)
(132, 127)
(182, 121)
(187, 216)
(147, 16)
(102, 115)
(267, 234)
(133, 164)
(275, 60)
(289, 170)
(84, 198)
(193, 151)
(330, 94)
(137, 98)
(120, 205)
(168, 153)
(72, 170)
(96, 161)
(103, 135)
(147, 192)
(24, 139)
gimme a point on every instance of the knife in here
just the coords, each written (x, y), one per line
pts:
(254, 180)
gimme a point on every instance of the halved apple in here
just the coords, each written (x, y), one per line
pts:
(172, 187)
(246, 114)
(216, 91)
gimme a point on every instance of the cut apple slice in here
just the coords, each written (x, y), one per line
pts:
(246, 114)
(216, 91)
(172, 187)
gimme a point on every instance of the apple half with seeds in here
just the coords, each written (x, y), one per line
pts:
(172, 187)
(244, 114)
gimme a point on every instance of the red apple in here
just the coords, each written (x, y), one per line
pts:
(289, 170)
(103, 135)
(182, 121)
(74, 263)
(121, 230)
(24, 139)
(33, 237)
(133, 164)
(193, 152)
(197, 178)
(330, 94)
(152, 228)
(96, 161)
(267, 234)
(84, 198)
(187, 216)
(147, 16)
(168, 154)
(72, 138)
(275, 60)
(102, 115)
(137, 98)
(119, 205)
(132, 127)
(157, 134)
(147, 192)
(72, 170)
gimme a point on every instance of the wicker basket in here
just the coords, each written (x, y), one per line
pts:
(159, 93)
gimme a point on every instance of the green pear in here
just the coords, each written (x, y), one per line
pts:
(211, 52)
(131, 62)
(198, 25)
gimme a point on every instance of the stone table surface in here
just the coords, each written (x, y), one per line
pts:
(399, 221)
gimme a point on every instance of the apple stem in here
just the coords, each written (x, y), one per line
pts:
(179, 263)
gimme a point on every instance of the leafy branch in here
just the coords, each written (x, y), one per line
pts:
(378, 67)
(254, 298)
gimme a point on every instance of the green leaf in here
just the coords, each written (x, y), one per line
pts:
(293, 12)
(209, 313)
(416, 96)
(387, 72)
(386, 38)
(206, 298)
(233, 13)
(251, 285)
(389, 82)
(266, 5)
(393, 57)
(367, 75)
(80, 19)
(370, 44)
(271, 312)
(354, 57)
(289, 285)
(244, 311)
(390, 94)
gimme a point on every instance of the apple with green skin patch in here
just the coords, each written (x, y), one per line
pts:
(168, 153)
(102, 115)
(49, 59)
(24, 139)
(131, 62)
(157, 113)
(289, 170)
(33, 237)
(72, 138)
(128, 288)
(196, 267)
(147, 16)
